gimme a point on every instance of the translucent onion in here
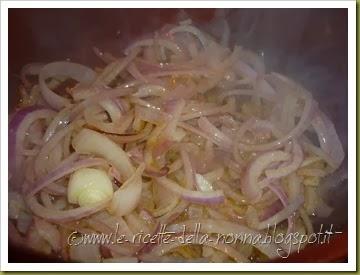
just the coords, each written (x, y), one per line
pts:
(91, 142)
(127, 197)
(78, 72)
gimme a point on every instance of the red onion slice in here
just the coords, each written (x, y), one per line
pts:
(303, 124)
(289, 210)
(65, 168)
(18, 126)
(209, 226)
(217, 137)
(285, 170)
(92, 142)
(81, 73)
(175, 242)
(62, 215)
(249, 185)
(214, 197)
(329, 140)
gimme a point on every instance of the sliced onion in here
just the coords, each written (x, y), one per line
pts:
(246, 92)
(164, 248)
(65, 168)
(189, 172)
(279, 192)
(118, 127)
(150, 90)
(283, 171)
(24, 222)
(174, 213)
(302, 125)
(208, 226)
(193, 30)
(30, 69)
(49, 232)
(78, 72)
(112, 70)
(85, 252)
(214, 197)
(249, 185)
(151, 115)
(128, 138)
(292, 207)
(18, 127)
(92, 142)
(216, 135)
(42, 163)
(203, 184)
(62, 215)
(329, 140)
(127, 197)
(151, 42)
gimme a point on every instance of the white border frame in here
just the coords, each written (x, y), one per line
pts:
(350, 266)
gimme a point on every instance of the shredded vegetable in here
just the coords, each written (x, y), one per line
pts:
(181, 130)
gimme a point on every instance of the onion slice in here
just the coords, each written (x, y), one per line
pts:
(18, 127)
(329, 140)
(62, 215)
(92, 142)
(283, 214)
(217, 137)
(209, 226)
(127, 197)
(214, 197)
(201, 239)
(79, 72)
(65, 168)
(249, 185)
(283, 171)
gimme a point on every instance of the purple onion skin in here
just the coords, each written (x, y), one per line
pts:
(211, 200)
(16, 120)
